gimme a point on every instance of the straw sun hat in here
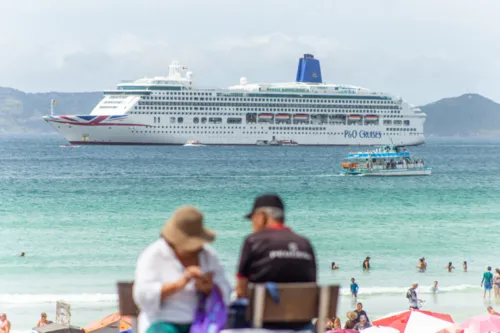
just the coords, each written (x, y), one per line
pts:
(185, 230)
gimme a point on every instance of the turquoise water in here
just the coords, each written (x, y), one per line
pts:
(83, 215)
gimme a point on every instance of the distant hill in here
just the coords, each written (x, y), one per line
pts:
(466, 115)
(21, 112)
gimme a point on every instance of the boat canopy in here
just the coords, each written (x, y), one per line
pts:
(378, 154)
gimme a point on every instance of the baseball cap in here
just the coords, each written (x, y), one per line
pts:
(266, 200)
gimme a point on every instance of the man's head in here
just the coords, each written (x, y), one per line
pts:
(267, 210)
(352, 280)
(3, 316)
(435, 283)
(489, 268)
(43, 315)
(359, 307)
(415, 285)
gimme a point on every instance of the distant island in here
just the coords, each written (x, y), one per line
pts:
(466, 115)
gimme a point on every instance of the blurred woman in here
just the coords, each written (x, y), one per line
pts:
(173, 271)
(450, 267)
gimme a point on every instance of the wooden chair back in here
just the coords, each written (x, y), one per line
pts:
(299, 302)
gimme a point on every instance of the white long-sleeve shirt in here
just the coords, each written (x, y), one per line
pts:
(158, 265)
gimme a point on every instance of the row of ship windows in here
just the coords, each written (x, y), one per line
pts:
(269, 99)
(231, 132)
(261, 109)
(217, 120)
(250, 128)
(238, 114)
(243, 107)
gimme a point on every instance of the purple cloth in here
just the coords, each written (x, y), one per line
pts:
(211, 318)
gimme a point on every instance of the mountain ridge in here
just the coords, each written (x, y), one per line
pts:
(465, 115)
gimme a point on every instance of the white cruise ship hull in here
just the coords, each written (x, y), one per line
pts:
(115, 134)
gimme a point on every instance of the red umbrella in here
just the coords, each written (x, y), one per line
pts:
(400, 320)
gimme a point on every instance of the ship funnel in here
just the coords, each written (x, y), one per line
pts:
(309, 70)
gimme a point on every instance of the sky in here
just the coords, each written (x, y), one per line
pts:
(422, 50)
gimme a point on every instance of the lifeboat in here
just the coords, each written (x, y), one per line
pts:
(371, 117)
(266, 116)
(282, 116)
(301, 117)
(354, 117)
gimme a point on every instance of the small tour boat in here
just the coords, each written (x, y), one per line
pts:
(69, 145)
(288, 143)
(193, 143)
(384, 161)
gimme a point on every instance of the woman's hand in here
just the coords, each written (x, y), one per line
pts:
(204, 283)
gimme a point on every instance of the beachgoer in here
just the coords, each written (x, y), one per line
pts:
(337, 325)
(329, 324)
(5, 325)
(450, 267)
(496, 281)
(425, 264)
(464, 265)
(366, 264)
(273, 252)
(174, 270)
(421, 265)
(434, 288)
(354, 288)
(352, 320)
(411, 295)
(360, 312)
(492, 312)
(43, 320)
(22, 254)
(334, 266)
(363, 323)
(487, 282)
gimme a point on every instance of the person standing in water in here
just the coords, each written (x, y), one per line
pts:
(487, 282)
(450, 267)
(412, 297)
(464, 265)
(354, 288)
(434, 288)
(496, 281)
(334, 266)
(366, 264)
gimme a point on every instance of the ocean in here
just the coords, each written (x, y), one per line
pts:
(82, 216)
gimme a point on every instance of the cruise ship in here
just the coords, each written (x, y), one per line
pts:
(172, 110)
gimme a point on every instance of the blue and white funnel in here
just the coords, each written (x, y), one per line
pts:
(309, 70)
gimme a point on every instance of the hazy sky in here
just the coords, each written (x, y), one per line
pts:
(422, 50)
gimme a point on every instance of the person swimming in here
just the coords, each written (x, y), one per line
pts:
(450, 267)
(334, 266)
(464, 265)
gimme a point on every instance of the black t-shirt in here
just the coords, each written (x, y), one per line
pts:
(277, 255)
(361, 313)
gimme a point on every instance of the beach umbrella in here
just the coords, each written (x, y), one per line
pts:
(381, 329)
(112, 323)
(416, 321)
(482, 324)
(342, 330)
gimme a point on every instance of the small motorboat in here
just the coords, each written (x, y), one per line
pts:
(69, 145)
(193, 143)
